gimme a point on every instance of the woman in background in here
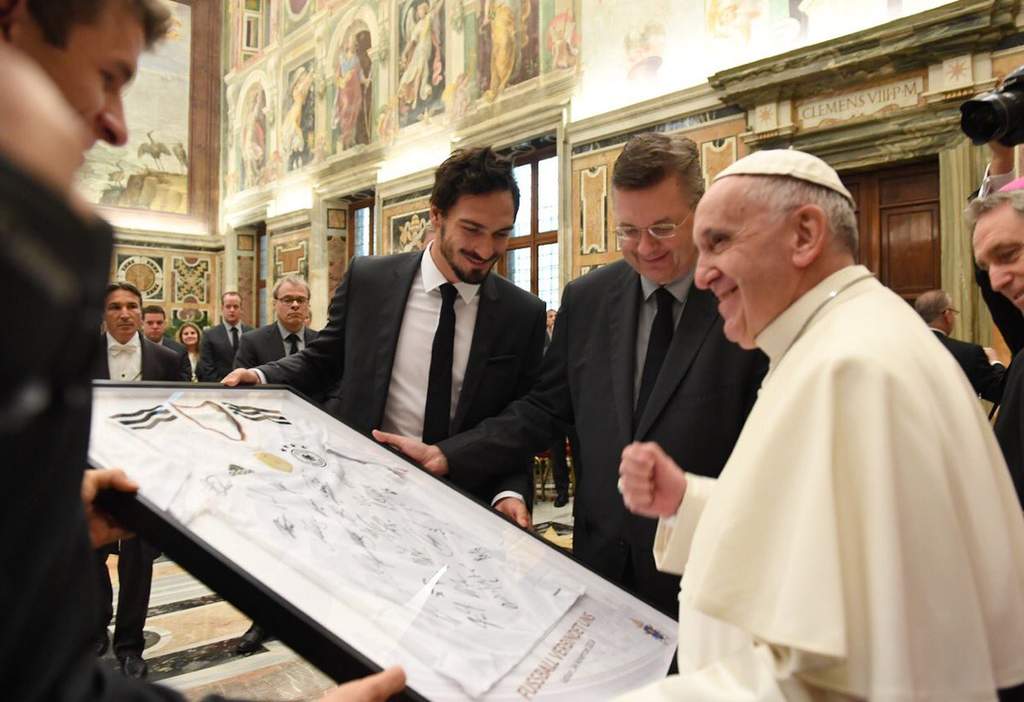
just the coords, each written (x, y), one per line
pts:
(189, 336)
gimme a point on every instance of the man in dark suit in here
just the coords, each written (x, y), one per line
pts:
(987, 375)
(128, 356)
(637, 354)
(426, 344)
(154, 328)
(284, 336)
(220, 342)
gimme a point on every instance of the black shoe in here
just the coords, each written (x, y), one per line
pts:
(134, 667)
(562, 499)
(251, 640)
(102, 643)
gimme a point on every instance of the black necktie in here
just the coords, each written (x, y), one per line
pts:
(234, 338)
(293, 343)
(657, 347)
(438, 410)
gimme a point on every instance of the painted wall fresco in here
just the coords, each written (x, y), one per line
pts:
(254, 135)
(421, 59)
(298, 116)
(183, 282)
(640, 39)
(353, 79)
(150, 172)
(507, 45)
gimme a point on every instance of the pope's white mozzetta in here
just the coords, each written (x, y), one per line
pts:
(864, 540)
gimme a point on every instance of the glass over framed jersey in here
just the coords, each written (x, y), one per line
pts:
(357, 559)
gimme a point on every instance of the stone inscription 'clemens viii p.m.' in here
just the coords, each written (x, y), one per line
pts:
(862, 103)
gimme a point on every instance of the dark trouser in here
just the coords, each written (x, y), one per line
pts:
(560, 468)
(135, 573)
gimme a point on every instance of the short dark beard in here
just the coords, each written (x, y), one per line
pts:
(473, 277)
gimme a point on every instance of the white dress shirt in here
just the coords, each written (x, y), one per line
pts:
(410, 372)
(124, 361)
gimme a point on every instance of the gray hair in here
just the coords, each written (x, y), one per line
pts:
(292, 279)
(984, 205)
(782, 193)
(930, 305)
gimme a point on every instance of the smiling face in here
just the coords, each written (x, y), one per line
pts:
(190, 337)
(999, 249)
(94, 66)
(659, 260)
(473, 235)
(744, 260)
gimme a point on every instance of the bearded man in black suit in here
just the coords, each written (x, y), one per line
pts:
(637, 354)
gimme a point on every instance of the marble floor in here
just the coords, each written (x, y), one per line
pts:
(191, 635)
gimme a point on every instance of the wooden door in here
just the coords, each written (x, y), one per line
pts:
(898, 219)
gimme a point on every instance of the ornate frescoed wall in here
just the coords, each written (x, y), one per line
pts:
(151, 171)
(406, 224)
(182, 280)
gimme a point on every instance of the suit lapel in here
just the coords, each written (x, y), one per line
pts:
(694, 325)
(391, 297)
(150, 369)
(103, 367)
(622, 311)
(488, 318)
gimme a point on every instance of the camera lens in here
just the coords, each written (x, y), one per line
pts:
(994, 116)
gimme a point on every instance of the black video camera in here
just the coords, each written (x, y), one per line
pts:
(998, 115)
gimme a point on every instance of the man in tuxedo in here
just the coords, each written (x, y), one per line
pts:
(980, 365)
(429, 343)
(220, 342)
(286, 335)
(154, 328)
(637, 354)
(129, 357)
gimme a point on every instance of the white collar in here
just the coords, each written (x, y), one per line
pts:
(783, 331)
(434, 279)
(133, 342)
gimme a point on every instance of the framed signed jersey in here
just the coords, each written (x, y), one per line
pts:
(357, 559)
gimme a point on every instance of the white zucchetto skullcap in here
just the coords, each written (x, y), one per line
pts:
(790, 163)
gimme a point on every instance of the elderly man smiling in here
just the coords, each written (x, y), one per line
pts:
(863, 540)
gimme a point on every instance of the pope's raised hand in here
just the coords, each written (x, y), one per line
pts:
(428, 456)
(651, 483)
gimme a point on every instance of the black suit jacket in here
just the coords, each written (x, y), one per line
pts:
(186, 365)
(264, 345)
(986, 378)
(358, 346)
(50, 605)
(705, 390)
(158, 362)
(216, 356)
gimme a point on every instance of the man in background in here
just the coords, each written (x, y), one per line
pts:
(129, 357)
(154, 328)
(979, 364)
(220, 342)
(284, 336)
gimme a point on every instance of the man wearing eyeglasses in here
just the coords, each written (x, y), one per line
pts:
(980, 365)
(286, 335)
(637, 354)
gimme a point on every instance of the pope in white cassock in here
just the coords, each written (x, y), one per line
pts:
(864, 540)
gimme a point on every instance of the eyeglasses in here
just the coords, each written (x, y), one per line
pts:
(658, 231)
(293, 300)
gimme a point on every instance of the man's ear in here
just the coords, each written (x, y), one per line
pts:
(810, 234)
(435, 218)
